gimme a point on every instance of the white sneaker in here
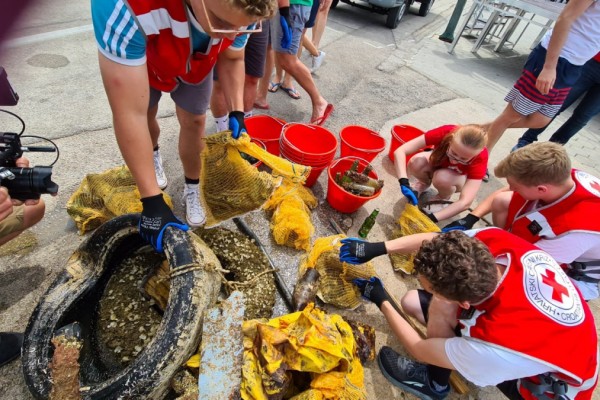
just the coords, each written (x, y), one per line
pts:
(159, 171)
(194, 212)
(317, 61)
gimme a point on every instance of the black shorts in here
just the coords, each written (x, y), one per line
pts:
(313, 14)
(425, 300)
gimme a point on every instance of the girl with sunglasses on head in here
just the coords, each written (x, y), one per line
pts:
(457, 163)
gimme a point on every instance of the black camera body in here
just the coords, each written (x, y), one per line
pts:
(22, 183)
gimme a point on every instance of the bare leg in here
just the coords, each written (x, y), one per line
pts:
(418, 167)
(250, 86)
(153, 125)
(510, 118)
(500, 208)
(218, 105)
(292, 65)
(263, 84)
(190, 141)
(412, 305)
(447, 182)
(320, 22)
(308, 45)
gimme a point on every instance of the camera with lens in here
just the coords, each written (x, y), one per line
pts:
(22, 183)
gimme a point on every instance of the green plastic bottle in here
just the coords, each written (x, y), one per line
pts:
(365, 228)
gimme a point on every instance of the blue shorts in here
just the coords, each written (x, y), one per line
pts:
(524, 96)
(299, 15)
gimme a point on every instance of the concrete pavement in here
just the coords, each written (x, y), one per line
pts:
(376, 77)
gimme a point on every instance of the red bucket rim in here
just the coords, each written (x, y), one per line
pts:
(370, 131)
(351, 158)
(404, 125)
(284, 143)
(290, 158)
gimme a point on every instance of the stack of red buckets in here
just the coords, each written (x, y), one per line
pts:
(309, 145)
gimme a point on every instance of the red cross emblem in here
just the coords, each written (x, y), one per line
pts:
(595, 185)
(558, 290)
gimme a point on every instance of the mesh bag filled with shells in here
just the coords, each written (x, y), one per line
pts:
(291, 223)
(411, 221)
(335, 277)
(230, 186)
(103, 196)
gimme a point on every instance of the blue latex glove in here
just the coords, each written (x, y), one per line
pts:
(236, 124)
(462, 224)
(358, 251)
(286, 27)
(407, 191)
(372, 289)
(156, 217)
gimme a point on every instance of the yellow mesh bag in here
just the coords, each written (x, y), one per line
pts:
(101, 197)
(335, 282)
(411, 221)
(291, 223)
(230, 185)
(306, 341)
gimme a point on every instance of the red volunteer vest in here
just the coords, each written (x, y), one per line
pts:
(576, 211)
(169, 53)
(535, 289)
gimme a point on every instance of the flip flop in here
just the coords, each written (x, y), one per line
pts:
(321, 120)
(292, 92)
(273, 87)
(261, 107)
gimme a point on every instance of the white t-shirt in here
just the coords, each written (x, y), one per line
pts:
(580, 246)
(583, 41)
(485, 365)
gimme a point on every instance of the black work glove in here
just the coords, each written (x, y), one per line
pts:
(407, 191)
(462, 224)
(286, 27)
(156, 217)
(372, 289)
(358, 251)
(236, 124)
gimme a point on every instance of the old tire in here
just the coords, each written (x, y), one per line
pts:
(425, 7)
(394, 15)
(76, 291)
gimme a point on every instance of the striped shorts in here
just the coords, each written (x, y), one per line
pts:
(524, 96)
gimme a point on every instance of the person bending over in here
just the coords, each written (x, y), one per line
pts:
(457, 164)
(550, 204)
(498, 310)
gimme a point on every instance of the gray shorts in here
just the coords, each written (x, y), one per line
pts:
(299, 15)
(192, 98)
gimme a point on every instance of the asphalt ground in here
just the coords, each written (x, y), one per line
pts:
(375, 77)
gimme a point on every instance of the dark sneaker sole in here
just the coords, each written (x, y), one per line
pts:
(404, 387)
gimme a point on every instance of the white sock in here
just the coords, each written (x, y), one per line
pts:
(192, 186)
(222, 123)
(248, 114)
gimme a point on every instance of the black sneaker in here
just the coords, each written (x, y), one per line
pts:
(408, 375)
(10, 346)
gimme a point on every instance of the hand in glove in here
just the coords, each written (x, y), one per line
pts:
(358, 251)
(462, 224)
(286, 27)
(236, 124)
(372, 289)
(156, 217)
(407, 191)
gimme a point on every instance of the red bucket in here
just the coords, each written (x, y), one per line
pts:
(308, 144)
(400, 135)
(267, 129)
(337, 197)
(360, 142)
(315, 171)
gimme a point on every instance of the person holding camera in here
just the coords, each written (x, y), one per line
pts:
(17, 216)
(150, 47)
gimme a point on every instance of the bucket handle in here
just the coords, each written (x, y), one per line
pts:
(353, 158)
(281, 138)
